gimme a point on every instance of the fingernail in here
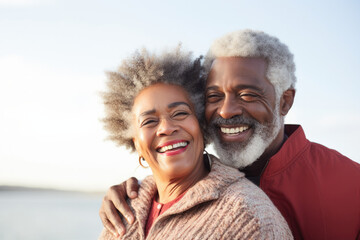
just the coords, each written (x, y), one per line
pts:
(120, 231)
(133, 194)
(130, 219)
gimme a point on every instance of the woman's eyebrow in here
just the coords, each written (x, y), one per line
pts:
(149, 112)
(175, 104)
(171, 105)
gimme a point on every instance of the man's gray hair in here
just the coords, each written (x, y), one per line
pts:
(141, 70)
(250, 43)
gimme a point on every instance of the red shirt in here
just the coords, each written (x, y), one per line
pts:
(316, 189)
(157, 209)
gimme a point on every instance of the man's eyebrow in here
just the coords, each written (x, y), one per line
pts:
(245, 86)
(175, 104)
(212, 88)
(241, 86)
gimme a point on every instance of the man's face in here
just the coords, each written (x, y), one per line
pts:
(241, 111)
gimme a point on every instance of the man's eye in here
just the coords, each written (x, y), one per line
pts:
(248, 97)
(213, 98)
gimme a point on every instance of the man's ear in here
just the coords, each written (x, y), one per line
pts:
(286, 101)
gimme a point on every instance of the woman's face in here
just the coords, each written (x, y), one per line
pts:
(167, 132)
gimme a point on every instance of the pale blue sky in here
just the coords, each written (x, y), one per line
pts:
(53, 55)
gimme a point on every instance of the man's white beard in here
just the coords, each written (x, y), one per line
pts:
(241, 155)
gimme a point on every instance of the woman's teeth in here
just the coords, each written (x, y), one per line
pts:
(170, 147)
(234, 130)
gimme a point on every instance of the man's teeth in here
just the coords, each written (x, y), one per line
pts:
(170, 147)
(233, 130)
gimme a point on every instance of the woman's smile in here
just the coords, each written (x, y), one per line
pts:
(173, 147)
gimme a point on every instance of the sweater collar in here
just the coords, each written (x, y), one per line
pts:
(141, 207)
(207, 189)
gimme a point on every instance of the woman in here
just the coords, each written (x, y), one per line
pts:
(153, 104)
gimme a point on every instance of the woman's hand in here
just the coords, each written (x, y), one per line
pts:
(114, 203)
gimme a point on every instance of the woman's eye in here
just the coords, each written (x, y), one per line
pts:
(180, 114)
(148, 122)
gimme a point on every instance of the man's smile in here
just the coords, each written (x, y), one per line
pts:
(238, 133)
(233, 130)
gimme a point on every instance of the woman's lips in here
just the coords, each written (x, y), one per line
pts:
(173, 147)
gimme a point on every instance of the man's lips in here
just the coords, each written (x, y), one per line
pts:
(239, 133)
(233, 129)
(172, 146)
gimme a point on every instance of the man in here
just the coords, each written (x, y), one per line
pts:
(250, 88)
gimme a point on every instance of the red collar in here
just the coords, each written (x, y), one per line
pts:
(157, 209)
(295, 144)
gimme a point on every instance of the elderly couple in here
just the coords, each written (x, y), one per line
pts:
(269, 181)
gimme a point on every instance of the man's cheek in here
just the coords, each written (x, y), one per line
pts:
(209, 112)
(260, 113)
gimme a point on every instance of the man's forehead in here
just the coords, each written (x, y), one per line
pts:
(231, 68)
(235, 58)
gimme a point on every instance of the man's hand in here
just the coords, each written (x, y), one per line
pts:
(114, 201)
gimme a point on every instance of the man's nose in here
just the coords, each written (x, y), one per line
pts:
(166, 127)
(229, 108)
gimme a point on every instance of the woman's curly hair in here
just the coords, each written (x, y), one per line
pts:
(143, 69)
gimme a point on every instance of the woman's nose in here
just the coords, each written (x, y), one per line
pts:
(166, 127)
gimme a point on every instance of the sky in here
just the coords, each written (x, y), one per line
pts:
(54, 55)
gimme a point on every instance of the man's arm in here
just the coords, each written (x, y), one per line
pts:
(115, 202)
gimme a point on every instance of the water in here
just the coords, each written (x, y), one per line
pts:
(49, 215)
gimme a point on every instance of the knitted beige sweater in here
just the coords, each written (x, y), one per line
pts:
(223, 205)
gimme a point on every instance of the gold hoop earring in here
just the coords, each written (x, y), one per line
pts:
(140, 160)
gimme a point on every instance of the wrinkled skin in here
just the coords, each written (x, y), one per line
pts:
(256, 101)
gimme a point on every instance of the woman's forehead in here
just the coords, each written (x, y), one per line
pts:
(160, 96)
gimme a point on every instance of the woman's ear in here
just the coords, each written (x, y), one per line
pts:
(286, 101)
(136, 144)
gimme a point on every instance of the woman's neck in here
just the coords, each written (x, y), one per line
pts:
(170, 188)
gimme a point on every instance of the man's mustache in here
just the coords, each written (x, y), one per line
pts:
(236, 120)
